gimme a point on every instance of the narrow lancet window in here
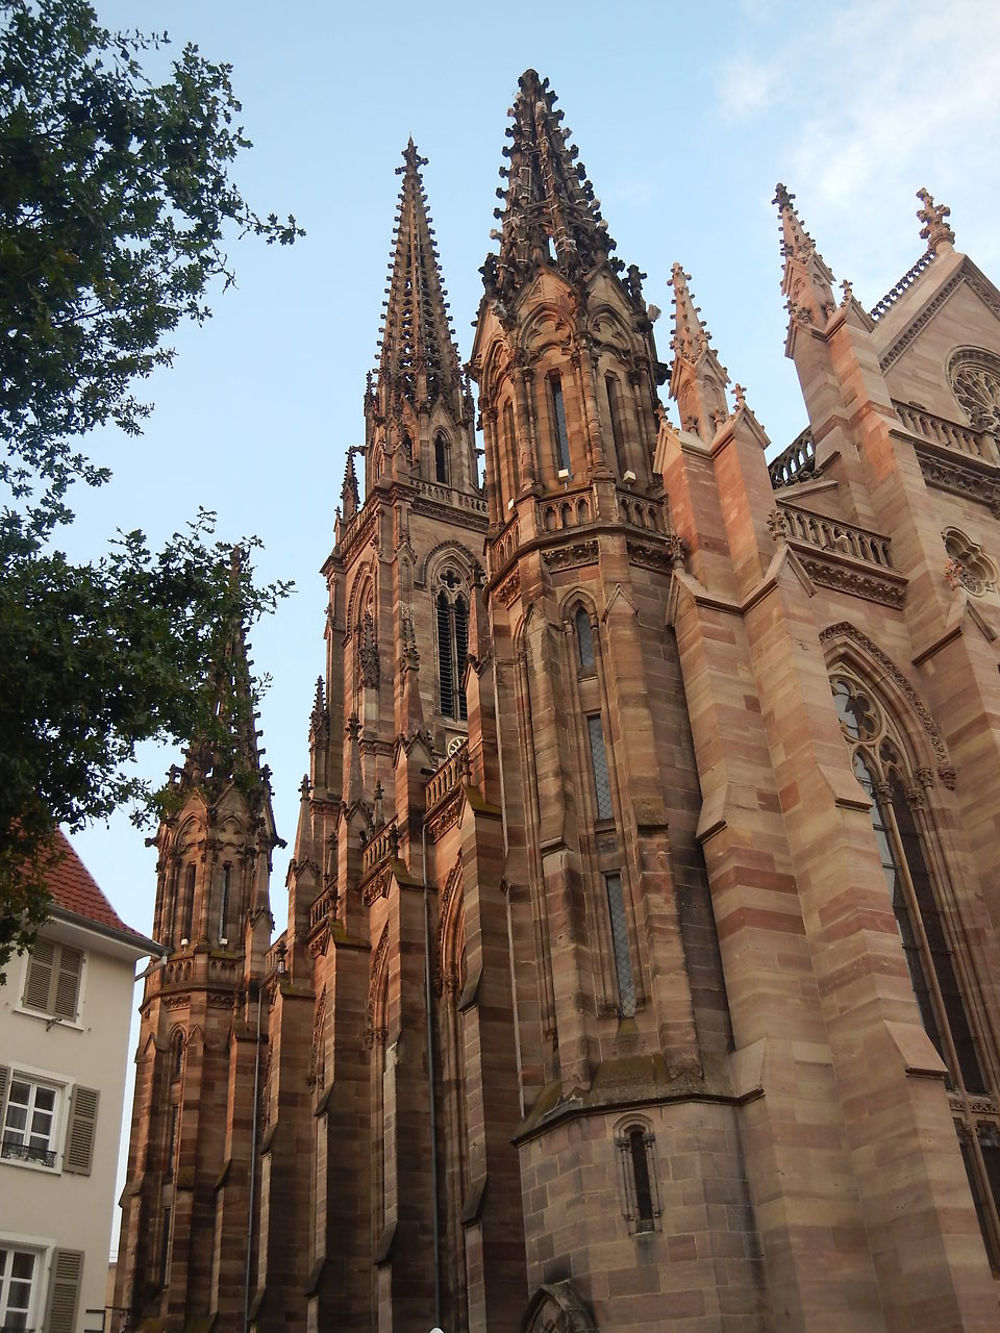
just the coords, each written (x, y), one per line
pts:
(187, 904)
(615, 412)
(619, 942)
(599, 765)
(441, 459)
(559, 423)
(453, 648)
(224, 903)
(640, 1174)
(584, 641)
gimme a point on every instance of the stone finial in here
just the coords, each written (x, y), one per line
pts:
(935, 231)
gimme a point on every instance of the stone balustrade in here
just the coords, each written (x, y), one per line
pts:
(322, 907)
(796, 463)
(380, 847)
(452, 772)
(948, 434)
(829, 534)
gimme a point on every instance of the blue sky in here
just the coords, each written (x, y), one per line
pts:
(685, 115)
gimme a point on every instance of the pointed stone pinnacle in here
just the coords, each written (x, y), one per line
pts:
(551, 215)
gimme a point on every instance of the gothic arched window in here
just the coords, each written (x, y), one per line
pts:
(187, 904)
(452, 613)
(903, 838)
(584, 641)
(560, 438)
(615, 411)
(641, 1201)
(880, 768)
(441, 458)
(975, 381)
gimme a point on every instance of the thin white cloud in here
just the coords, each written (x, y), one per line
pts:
(871, 99)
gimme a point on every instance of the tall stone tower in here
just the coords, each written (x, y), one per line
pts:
(183, 1257)
(641, 958)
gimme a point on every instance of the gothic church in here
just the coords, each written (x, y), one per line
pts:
(642, 953)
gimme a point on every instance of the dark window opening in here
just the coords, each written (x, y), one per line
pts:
(640, 1174)
(584, 640)
(614, 410)
(187, 905)
(441, 459)
(559, 423)
(453, 648)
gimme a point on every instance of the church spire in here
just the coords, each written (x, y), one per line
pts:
(698, 379)
(419, 360)
(550, 214)
(229, 748)
(807, 281)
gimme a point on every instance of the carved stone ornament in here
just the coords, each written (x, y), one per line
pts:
(777, 525)
(845, 630)
(967, 274)
(510, 589)
(375, 976)
(317, 1062)
(950, 474)
(872, 586)
(572, 557)
(377, 887)
(446, 817)
(368, 652)
(647, 556)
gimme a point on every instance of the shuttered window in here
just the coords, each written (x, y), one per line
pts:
(79, 1152)
(64, 1291)
(53, 980)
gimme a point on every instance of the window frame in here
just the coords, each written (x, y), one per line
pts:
(30, 1311)
(632, 1134)
(880, 748)
(57, 973)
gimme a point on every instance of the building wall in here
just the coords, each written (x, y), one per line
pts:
(47, 1208)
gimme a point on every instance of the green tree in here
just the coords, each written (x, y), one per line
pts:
(116, 205)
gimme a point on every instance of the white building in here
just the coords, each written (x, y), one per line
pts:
(64, 1024)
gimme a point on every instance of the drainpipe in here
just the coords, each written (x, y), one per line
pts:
(435, 1221)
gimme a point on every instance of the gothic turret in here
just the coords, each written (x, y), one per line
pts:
(183, 1250)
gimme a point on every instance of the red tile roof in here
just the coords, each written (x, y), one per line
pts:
(74, 889)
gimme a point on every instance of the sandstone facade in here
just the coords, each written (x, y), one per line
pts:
(641, 957)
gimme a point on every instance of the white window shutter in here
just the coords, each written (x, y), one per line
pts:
(80, 1134)
(67, 988)
(64, 1291)
(39, 980)
(4, 1080)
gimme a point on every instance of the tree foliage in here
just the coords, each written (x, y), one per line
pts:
(116, 205)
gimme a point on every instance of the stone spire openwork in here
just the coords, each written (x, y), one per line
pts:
(418, 360)
(550, 215)
(220, 755)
